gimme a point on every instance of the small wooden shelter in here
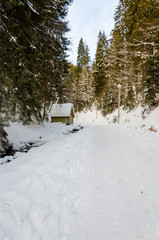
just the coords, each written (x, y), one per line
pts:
(63, 113)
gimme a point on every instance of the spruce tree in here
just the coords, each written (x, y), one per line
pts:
(83, 57)
(109, 100)
(82, 78)
(99, 71)
(86, 56)
(151, 81)
(4, 143)
(80, 54)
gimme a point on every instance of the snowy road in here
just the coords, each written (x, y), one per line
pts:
(100, 183)
(124, 187)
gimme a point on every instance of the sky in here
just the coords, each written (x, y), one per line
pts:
(86, 18)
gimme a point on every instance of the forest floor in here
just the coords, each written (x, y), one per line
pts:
(101, 182)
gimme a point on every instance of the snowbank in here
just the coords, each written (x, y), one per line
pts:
(34, 135)
(136, 119)
(19, 134)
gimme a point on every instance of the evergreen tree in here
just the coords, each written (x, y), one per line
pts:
(86, 57)
(80, 54)
(71, 84)
(151, 81)
(99, 70)
(79, 80)
(83, 57)
(85, 88)
(4, 144)
(83, 77)
(109, 100)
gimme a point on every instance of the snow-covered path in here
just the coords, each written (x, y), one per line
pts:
(100, 183)
(124, 187)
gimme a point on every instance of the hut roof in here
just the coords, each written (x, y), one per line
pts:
(62, 110)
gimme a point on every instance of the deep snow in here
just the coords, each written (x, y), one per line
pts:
(99, 183)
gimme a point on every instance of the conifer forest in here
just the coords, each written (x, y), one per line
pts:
(35, 71)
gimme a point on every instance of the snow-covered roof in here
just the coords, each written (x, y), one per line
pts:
(61, 110)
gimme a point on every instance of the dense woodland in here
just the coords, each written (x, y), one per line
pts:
(35, 72)
(130, 58)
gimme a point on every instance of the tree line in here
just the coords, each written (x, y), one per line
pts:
(129, 58)
(33, 50)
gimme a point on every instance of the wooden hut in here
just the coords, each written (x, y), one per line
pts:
(63, 113)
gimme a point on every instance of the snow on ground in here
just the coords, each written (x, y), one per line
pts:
(99, 183)
(137, 118)
(19, 135)
(134, 119)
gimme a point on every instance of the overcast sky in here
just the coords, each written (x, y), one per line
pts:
(86, 18)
